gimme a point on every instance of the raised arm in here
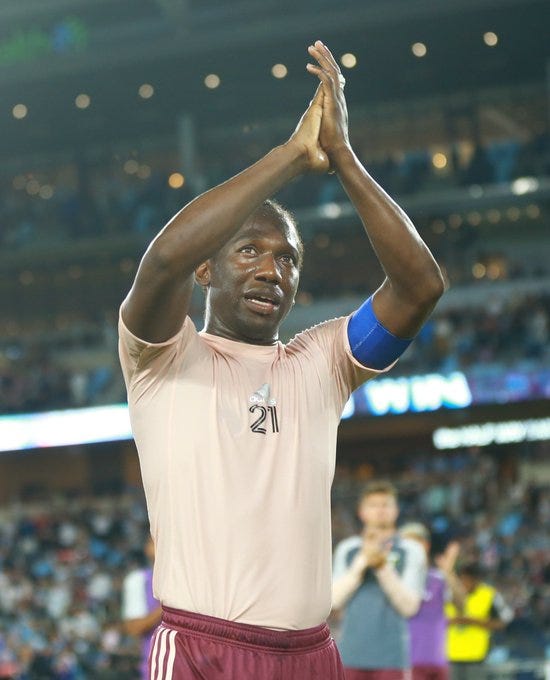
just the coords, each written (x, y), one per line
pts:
(413, 282)
(158, 301)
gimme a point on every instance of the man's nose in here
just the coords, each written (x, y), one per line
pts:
(267, 269)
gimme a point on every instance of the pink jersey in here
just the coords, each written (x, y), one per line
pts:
(237, 446)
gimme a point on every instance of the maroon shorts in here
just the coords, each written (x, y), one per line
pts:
(430, 673)
(188, 646)
(378, 674)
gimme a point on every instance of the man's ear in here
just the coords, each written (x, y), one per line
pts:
(202, 274)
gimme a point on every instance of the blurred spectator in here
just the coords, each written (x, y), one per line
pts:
(53, 555)
(378, 583)
(428, 627)
(469, 634)
(141, 612)
(513, 334)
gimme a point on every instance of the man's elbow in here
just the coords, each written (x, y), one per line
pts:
(432, 287)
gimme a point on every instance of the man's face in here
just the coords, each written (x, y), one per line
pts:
(379, 511)
(252, 281)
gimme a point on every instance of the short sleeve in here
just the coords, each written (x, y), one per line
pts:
(134, 600)
(136, 354)
(331, 340)
(416, 567)
(342, 553)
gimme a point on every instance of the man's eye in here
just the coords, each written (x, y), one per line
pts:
(248, 249)
(287, 259)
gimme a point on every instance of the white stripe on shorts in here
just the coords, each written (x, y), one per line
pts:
(171, 655)
(154, 651)
(162, 654)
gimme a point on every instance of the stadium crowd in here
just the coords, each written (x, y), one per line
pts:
(37, 374)
(63, 559)
(131, 194)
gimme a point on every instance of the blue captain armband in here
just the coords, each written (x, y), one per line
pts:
(372, 344)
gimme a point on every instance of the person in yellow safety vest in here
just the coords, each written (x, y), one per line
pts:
(469, 630)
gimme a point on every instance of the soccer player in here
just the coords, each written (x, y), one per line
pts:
(378, 584)
(236, 432)
(428, 627)
(141, 612)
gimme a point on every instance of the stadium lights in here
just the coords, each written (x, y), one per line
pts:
(82, 101)
(475, 191)
(46, 192)
(479, 270)
(524, 185)
(473, 219)
(513, 214)
(506, 432)
(532, 211)
(64, 428)
(19, 111)
(331, 210)
(131, 166)
(176, 180)
(279, 71)
(146, 91)
(32, 187)
(455, 220)
(348, 60)
(419, 49)
(439, 160)
(212, 81)
(144, 171)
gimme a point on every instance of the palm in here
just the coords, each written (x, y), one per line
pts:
(307, 135)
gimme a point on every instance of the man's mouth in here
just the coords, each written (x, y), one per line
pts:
(261, 304)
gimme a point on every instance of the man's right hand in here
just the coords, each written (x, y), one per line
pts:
(305, 138)
(375, 554)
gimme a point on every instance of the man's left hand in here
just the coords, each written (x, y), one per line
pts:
(334, 125)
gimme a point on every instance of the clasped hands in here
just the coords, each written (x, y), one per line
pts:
(322, 133)
(373, 554)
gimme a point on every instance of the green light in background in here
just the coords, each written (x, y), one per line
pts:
(68, 36)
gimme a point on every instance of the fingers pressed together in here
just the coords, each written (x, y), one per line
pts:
(326, 68)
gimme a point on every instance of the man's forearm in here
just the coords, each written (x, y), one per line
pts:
(454, 584)
(145, 624)
(205, 224)
(405, 258)
(403, 599)
(345, 586)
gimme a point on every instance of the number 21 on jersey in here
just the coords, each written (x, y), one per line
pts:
(265, 419)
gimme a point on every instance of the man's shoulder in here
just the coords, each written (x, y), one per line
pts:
(126, 336)
(410, 546)
(319, 330)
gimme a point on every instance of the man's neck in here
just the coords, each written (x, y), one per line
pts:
(380, 534)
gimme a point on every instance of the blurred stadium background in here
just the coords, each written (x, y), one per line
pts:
(114, 114)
